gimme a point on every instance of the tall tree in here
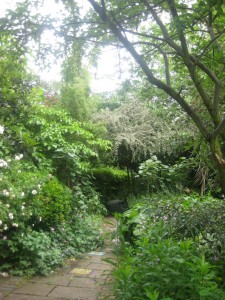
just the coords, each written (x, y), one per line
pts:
(75, 88)
(186, 40)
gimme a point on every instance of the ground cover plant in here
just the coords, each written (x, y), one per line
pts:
(172, 248)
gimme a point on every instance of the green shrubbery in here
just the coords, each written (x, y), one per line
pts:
(156, 176)
(111, 182)
(57, 203)
(29, 252)
(166, 269)
(41, 221)
(46, 197)
(173, 248)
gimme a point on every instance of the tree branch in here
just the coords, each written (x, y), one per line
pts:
(180, 32)
(163, 28)
(165, 58)
(190, 61)
(158, 83)
(213, 39)
(218, 130)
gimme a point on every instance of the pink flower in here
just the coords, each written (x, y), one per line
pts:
(52, 229)
(4, 237)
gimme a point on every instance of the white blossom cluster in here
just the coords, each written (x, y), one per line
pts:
(2, 129)
(5, 192)
(18, 156)
(3, 163)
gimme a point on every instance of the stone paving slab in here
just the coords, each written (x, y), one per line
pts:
(98, 274)
(93, 258)
(53, 280)
(74, 293)
(82, 264)
(30, 297)
(84, 282)
(35, 288)
(100, 266)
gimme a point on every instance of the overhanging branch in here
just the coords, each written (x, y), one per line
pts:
(138, 58)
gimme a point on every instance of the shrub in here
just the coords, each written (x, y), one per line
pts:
(87, 201)
(165, 269)
(157, 176)
(199, 218)
(77, 237)
(29, 253)
(20, 185)
(56, 200)
(178, 218)
(33, 200)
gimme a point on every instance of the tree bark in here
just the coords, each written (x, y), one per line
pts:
(216, 151)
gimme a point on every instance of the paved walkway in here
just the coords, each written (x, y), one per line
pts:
(83, 279)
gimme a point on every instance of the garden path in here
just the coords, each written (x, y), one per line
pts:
(87, 278)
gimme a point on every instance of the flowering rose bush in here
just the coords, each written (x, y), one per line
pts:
(18, 203)
(38, 227)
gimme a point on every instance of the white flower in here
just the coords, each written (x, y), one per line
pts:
(3, 163)
(15, 224)
(5, 227)
(19, 171)
(0, 222)
(5, 192)
(0, 178)
(22, 207)
(18, 156)
(22, 194)
(10, 216)
(34, 192)
(40, 219)
(39, 186)
(2, 129)
(7, 205)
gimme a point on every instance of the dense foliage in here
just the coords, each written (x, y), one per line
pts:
(48, 204)
(172, 248)
(166, 132)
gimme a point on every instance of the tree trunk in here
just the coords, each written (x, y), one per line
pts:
(215, 147)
